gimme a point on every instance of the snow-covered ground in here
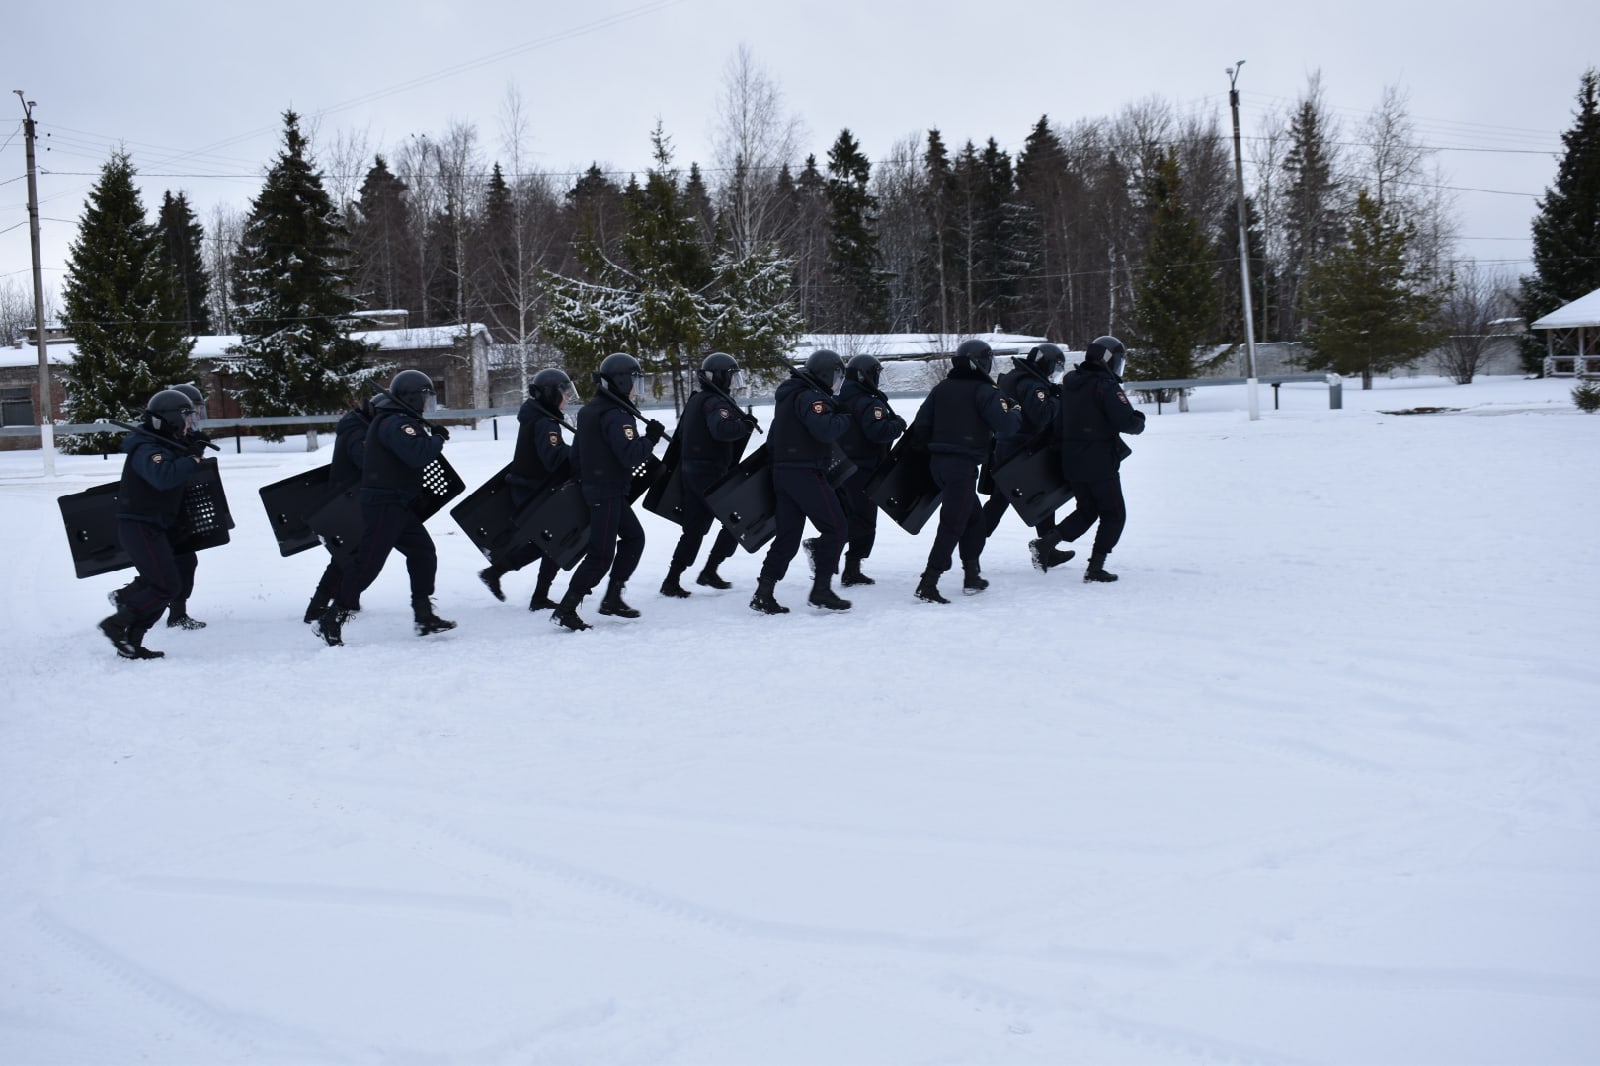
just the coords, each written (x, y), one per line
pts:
(1317, 781)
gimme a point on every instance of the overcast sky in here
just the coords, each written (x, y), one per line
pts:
(195, 91)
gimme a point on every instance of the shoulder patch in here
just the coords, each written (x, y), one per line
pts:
(555, 439)
(1039, 394)
(409, 430)
(158, 457)
(818, 407)
(627, 431)
(1122, 396)
(877, 413)
(723, 412)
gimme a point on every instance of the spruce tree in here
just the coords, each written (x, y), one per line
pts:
(860, 298)
(382, 244)
(668, 297)
(1368, 305)
(1566, 230)
(1313, 219)
(296, 355)
(183, 240)
(121, 304)
(1178, 296)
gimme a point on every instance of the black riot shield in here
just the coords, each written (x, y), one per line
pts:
(664, 497)
(558, 522)
(488, 517)
(904, 488)
(338, 523)
(840, 467)
(289, 502)
(744, 502)
(90, 518)
(644, 475)
(1032, 482)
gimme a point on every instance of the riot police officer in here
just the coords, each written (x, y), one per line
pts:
(1031, 386)
(178, 616)
(1094, 411)
(957, 423)
(344, 470)
(542, 459)
(711, 435)
(806, 421)
(874, 427)
(609, 447)
(162, 459)
(400, 444)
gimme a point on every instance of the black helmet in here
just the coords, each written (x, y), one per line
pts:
(825, 368)
(1107, 352)
(619, 374)
(413, 389)
(550, 386)
(196, 398)
(976, 354)
(865, 370)
(169, 411)
(721, 370)
(1048, 359)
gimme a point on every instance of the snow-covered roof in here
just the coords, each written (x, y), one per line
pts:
(1584, 311)
(216, 347)
(906, 345)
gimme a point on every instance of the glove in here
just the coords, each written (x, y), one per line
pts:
(195, 446)
(654, 431)
(439, 431)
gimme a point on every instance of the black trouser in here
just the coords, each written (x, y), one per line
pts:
(861, 514)
(162, 571)
(697, 478)
(803, 492)
(960, 519)
(389, 525)
(1099, 499)
(616, 542)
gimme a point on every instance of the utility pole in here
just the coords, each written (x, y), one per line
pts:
(1252, 386)
(47, 433)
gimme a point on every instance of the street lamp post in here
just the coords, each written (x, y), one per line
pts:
(1252, 386)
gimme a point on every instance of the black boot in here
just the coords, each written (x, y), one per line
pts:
(764, 602)
(566, 615)
(823, 596)
(711, 579)
(852, 575)
(972, 582)
(126, 637)
(928, 588)
(541, 600)
(428, 623)
(330, 625)
(613, 604)
(491, 580)
(1046, 555)
(314, 609)
(1096, 570)
(672, 586)
(178, 616)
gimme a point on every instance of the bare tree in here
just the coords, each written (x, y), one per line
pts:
(16, 310)
(899, 183)
(1474, 314)
(752, 141)
(222, 247)
(1400, 171)
(344, 160)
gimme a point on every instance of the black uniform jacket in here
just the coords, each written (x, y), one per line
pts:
(805, 423)
(963, 414)
(1093, 411)
(153, 478)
